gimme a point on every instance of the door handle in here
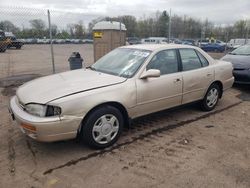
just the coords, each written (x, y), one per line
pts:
(177, 80)
(209, 74)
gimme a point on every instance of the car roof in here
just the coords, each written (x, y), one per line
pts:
(155, 47)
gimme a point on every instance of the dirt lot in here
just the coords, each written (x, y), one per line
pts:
(36, 59)
(182, 147)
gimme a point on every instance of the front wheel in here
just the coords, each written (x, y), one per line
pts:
(102, 127)
(3, 49)
(211, 98)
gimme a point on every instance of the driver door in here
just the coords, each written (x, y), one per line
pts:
(155, 94)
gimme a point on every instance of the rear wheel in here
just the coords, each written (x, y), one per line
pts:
(102, 127)
(211, 98)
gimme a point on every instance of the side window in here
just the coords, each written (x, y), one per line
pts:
(165, 61)
(189, 59)
(203, 60)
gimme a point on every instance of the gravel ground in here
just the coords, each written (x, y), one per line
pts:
(182, 147)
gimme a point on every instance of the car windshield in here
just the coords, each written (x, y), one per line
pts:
(243, 50)
(122, 62)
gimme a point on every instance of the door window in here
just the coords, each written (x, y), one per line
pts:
(189, 59)
(165, 61)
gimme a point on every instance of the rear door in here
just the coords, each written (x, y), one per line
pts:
(197, 75)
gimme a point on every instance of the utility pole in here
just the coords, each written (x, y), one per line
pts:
(202, 33)
(247, 31)
(51, 44)
(120, 33)
(169, 26)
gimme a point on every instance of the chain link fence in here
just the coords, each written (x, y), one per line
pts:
(31, 28)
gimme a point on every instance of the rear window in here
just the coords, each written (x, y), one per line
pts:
(189, 59)
(203, 60)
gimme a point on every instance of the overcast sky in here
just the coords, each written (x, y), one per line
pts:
(217, 11)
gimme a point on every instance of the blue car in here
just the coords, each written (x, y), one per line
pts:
(188, 42)
(213, 47)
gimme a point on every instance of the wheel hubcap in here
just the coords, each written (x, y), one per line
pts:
(212, 97)
(105, 129)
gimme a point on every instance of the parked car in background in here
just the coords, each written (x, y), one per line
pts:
(43, 41)
(128, 82)
(188, 42)
(31, 41)
(175, 41)
(235, 43)
(60, 41)
(240, 58)
(13, 42)
(4, 42)
(212, 47)
(133, 40)
(88, 41)
(202, 42)
(76, 41)
(154, 40)
(221, 43)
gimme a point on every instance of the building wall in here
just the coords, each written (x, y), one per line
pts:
(107, 40)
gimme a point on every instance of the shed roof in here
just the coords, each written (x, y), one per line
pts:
(108, 25)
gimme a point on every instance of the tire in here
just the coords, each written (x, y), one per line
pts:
(18, 47)
(103, 127)
(211, 98)
(2, 50)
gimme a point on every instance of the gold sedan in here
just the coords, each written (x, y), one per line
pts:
(95, 104)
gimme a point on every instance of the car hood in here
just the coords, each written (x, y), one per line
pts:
(238, 61)
(45, 89)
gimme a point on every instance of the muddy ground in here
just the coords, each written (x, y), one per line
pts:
(182, 147)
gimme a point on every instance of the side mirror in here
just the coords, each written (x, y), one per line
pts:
(151, 73)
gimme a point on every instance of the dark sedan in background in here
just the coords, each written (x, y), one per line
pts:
(240, 58)
(213, 47)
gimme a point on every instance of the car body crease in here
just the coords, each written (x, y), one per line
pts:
(74, 93)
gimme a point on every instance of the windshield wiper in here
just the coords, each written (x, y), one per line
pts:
(232, 53)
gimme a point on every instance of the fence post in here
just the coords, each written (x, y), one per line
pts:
(169, 27)
(51, 44)
(120, 33)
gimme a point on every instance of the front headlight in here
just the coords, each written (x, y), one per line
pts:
(42, 110)
(53, 111)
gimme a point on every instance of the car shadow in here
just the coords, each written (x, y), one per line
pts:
(140, 124)
(245, 91)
